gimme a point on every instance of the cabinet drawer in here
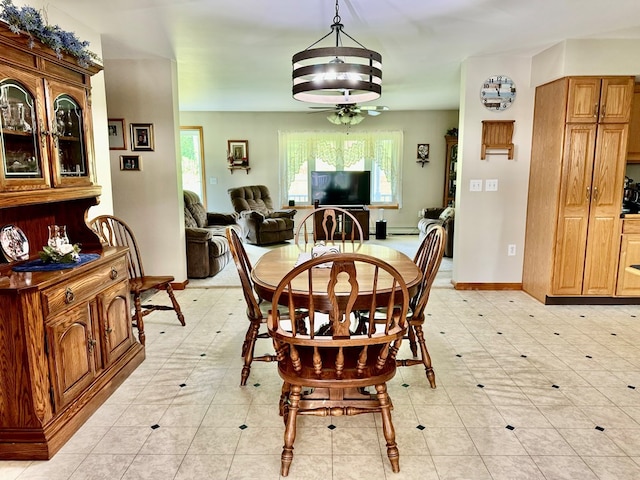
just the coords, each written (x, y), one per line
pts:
(631, 225)
(71, 293)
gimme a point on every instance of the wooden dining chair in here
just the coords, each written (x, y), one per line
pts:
(428, 258)
(257, 309)
(335, 222)
(338, 364)
(114, 232)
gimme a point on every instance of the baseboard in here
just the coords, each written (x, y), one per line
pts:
(179, 285)
(486, 286)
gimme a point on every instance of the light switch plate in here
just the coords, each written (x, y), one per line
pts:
(491, 185)
(475, 185)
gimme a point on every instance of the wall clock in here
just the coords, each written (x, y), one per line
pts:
(498, 92)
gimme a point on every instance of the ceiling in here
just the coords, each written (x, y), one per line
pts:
(236, 55)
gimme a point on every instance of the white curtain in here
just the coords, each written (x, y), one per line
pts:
(342, 150)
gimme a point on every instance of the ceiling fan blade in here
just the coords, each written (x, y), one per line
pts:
(376, 108)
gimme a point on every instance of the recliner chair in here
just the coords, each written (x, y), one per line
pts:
(260, 223)
(207, 247)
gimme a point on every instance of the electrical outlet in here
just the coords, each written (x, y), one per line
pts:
(475, 185)
(511, 250)
(491, 185)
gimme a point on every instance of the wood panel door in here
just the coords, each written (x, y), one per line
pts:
(71, 346)
(615, 100)
(583, 100)
(115, 333)
(628, 283)
(573, 214)
(603, 244)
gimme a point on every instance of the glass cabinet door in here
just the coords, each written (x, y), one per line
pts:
(68, 125)
(69, 136)
(22, 159)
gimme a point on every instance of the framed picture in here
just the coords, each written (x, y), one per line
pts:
(423, 151)
(130, 162)
(238, 152)
(117, 139)
(142, 136)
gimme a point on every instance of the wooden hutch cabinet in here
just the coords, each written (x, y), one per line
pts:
(450, 171)
(578, 159)
(66, 341)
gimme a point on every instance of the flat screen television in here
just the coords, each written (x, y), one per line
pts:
(341, 188)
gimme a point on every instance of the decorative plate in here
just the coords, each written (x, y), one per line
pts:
(14, 243)
(498, 92)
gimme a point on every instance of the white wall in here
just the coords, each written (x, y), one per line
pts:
(422, 187)
(487, 222)
(149, 201)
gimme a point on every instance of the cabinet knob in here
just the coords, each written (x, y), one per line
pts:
(114, 273)
(108, 330)
(69, 296)
(588, 196)
(91, 343)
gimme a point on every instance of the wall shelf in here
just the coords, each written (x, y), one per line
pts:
(497, 135)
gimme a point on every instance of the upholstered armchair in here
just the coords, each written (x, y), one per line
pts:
(438, 216)
(207, 246)
(260, 223)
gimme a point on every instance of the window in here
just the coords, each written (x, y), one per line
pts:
(379, 152)
(192, 153)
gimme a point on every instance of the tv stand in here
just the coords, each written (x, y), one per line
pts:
(361, 212)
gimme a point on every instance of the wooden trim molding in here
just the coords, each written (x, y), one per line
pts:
(486, 286)
(179, 285)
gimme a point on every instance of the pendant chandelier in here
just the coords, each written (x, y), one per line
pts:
(337, 74)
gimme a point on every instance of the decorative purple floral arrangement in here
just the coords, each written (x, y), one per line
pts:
(29, 20)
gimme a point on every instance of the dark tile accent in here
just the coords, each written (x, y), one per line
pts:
(523, 356)
(556, 333)
(405, 385)
(531, 315)
(581, 316)
(458, 355)
(600, 428)
(218, 331)
(182, 385)
(203, 354)
(242, 427)
(442, 333)
(331, 427)
(480, 385)
(631, 387)
(153, 427)
(480, 315)
(510, 427)
(555, 386)
(589, 356)
(256, 384)
(161, 333)
(499, 333)
(421, 427)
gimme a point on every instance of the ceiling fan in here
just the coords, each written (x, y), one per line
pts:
(350, 113)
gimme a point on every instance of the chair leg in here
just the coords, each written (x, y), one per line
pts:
(252, 335)
(426, 358)
(290, 430)
(412, 341)
(284, 396)
(176, 305)
(387, 427)
(137, 318)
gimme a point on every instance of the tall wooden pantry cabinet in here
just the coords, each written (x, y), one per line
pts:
(66, 340)
(578, 157)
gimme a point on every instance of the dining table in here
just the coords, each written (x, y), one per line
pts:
(272, 267)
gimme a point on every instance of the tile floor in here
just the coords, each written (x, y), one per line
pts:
(525, 391)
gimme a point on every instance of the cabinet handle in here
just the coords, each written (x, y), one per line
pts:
(69, 296)
(595, 193)
(588, 197)
(595, 110)
(603, 110)
(91, 344)
(108, 330)
(114, 273)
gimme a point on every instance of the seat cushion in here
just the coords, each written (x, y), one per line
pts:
(218, 246)
(276, 224)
